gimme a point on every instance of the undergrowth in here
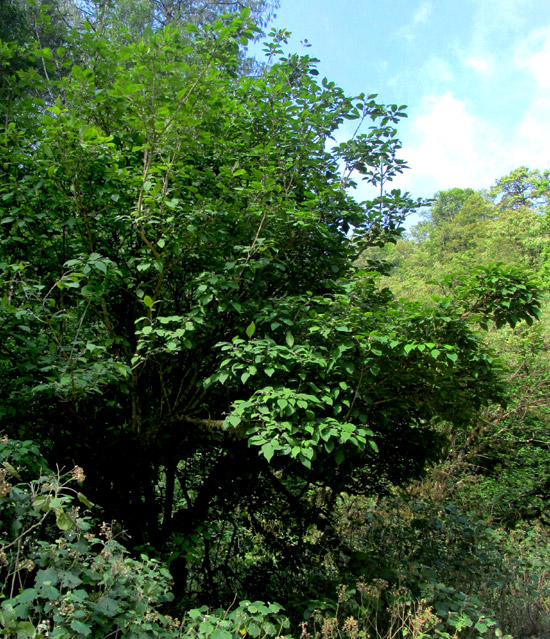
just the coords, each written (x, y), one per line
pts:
(407, 568)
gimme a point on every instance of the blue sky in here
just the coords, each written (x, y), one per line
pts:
(475, 75)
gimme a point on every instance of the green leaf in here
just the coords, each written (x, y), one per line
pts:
(80, 627)
(206, 627)
(48, 577)
(251, 329)
(63, 520)
(234, 420)
(109, 607)
(25, 630)
(27, 595)
(11, 470)
(148, 301)
(268, 451)
(42, 502)
(290, 339)
(84, 500)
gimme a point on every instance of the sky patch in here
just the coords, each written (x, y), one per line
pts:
(475, 75)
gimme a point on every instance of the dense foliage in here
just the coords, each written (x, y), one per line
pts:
(507, 451)
(193, 309)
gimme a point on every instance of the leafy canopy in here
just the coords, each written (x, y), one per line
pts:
(181, 305)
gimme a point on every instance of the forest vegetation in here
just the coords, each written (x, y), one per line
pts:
(235, 400)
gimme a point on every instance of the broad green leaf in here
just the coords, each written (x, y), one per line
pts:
(81, 628)
(25, 630)
(108, 606)
(27, 595)
(42, 502)
(268, 451)
(206, 627)
(234, 420)
(63, 520)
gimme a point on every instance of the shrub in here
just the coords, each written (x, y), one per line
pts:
(63, 576)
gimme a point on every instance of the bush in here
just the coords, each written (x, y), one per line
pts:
(64, 576)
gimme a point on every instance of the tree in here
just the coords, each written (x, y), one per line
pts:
(26, 27)
(447, 205)
(522, 188)
(182, 310)
(137, 15)
(499, 465)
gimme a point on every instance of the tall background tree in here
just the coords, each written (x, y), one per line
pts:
(504, 458)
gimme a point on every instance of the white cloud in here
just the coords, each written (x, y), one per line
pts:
(447, 146)
(497, 27)
(533, 131)
(469, 130)
(499, 20)
(533, 134)
(453, 140)
(446, 151)
(483, 64)
(420, 16)
(533, 54)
